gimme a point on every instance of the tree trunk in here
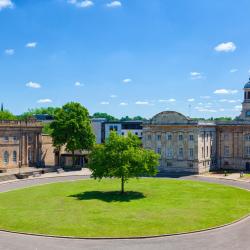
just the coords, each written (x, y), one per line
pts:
(73, 158)
(122, 191)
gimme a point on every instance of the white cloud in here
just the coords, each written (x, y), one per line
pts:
(114, 4)
(6, 4)
(33, 85)
(142, 103)
(167, 100)
(205, 97)
(113, 96)
(81, 4)
(225, 91)
(225, 47)
(237, 107)
(44, 101)
(31, 45)
(127, 80)
(104, 103)
(221, 109)
(9, 52)
(78, 84)
(196, 75)
(201, 109)
(233, 70)
(123, 104)
(191, 100)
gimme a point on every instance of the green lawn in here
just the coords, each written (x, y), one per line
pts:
(91, 208)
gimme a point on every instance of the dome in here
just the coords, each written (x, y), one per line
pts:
(247, 85)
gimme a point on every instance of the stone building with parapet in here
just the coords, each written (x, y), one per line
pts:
(191, 146)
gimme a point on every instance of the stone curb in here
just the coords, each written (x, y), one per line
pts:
(128, 238)
(223, 178)
(123, 238)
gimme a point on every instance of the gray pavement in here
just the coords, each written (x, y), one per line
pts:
(236, 236)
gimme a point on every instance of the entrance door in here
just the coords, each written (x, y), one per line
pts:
(248, 166)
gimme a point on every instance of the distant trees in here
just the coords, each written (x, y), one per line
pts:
(138, 118)
(72, 127)
(38, 111)
(6, 115)
(104, 115)
(123, 158)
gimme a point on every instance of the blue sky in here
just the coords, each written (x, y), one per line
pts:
(127, 57)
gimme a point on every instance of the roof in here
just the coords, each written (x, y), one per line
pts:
(247, 85)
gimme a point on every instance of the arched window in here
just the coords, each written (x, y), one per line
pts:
(14, 157)
(6, 157)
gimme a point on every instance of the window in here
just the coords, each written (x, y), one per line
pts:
(6, 157)
(207, 137)
(226, 151)
(15, 138)
(247, 137)
(248, 151)
(29, 154)
(211, 151)
(191, 152)
(169, 164)
(122, 133)
(149, 137)
(29, 139)
(191, 137)
(158, 137)
(180, 137)
(169, 153)
(202, 152)
(136, 133)
(14, 157)
(158, 150)
(180, 152)
(115, 128)
(226, 136)
(207, 151)
(191, 165)
(248, 113)
(169, 137)
(6, 138)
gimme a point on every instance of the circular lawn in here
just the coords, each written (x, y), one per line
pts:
(90, 208)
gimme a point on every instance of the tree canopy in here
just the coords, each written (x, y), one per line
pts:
(72, 128)
(6, 115)
(38, 111)
(104, 115)
(122, 157)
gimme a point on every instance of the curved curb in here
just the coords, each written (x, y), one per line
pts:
(128, 238)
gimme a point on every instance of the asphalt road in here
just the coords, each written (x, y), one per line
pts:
(233, 237)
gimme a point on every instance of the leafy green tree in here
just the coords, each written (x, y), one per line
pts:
(38, 111)
(104, 115)
(122, 157)
(72, 128)
(6, 115)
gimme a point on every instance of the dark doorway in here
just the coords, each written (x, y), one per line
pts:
(248, 166)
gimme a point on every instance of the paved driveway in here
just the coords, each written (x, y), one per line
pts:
(234, 237)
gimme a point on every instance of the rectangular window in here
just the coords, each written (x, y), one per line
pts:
(6, 138)
(158, 137)
(15, 138)
(248, 151)
(191, 153)
(191, 137)
(169, 137)
(169, 164)
(207, 151)
(211, 151)
(180, 152)
(180, 137)
(207, 137)
(247, 137)
(149, 137)
(226, 136)
(136, 133)
(226, 151)
(158, 150)
(169, 153)
(202, 152)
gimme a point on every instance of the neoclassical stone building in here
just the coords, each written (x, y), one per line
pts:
(20, 144)
(186, 145)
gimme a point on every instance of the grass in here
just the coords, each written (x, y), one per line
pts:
(90, 208)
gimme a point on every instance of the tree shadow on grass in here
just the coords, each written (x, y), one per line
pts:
(109, 196)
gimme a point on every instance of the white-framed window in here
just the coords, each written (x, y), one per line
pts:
(6, 157)
(191, 153)
(169, 152)
(180, 152)
(14, 157)
(191, 137)
(180, 137)
(5, 138)
(169, 137)
(226, 151)
(248, 151)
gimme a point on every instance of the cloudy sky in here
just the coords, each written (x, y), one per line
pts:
(128, 57)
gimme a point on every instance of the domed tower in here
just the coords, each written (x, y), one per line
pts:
(245, 113)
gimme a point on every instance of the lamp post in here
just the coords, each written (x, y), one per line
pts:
(19, 166)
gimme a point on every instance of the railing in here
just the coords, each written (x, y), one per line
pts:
(20, 123)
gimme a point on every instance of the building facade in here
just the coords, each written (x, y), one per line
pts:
(186, 145)
(20, 144)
